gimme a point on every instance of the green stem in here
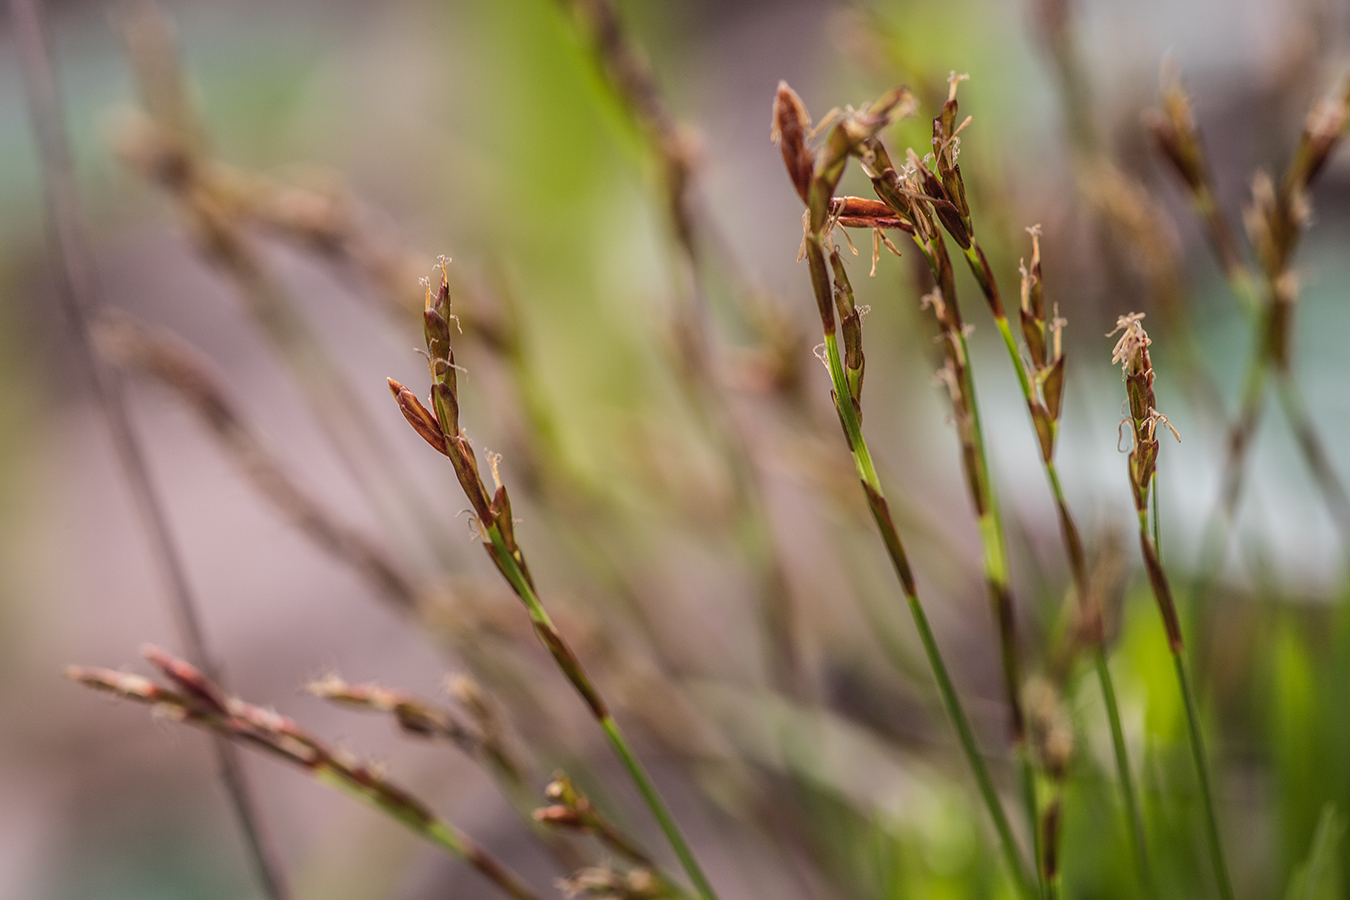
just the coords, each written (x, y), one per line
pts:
(1136, 821)
(1192, 717)
(1202, 772)
(995, 556)
(1010, 342)
(658, 807)
(992, 539)
(1032, 807)
(572, 668)
(1074, 549)
(435, 831)
(867, 473)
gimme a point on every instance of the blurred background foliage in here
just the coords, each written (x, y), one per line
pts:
(788, 715)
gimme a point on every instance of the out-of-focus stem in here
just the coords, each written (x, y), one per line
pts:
(1314, 450)
(1157, 579)
(169, 148)
(77, 287)
(629, 75)
(195, 699)
(177, 366)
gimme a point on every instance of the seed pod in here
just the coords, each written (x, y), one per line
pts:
(851, 327)
(791, 122)
(1045, 429)
(446, 404)
(437, 331)
(418, 416)
(951, 219)
(1033, 330)
(1176, 134)
(1052, 388)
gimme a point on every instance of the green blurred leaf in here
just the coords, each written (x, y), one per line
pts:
(1319, 878)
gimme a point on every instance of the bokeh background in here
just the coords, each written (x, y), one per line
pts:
(486, 132)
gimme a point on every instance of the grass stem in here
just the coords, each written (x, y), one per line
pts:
(571, 667)
(1073, 546)
(867, 473)
(1202, 774)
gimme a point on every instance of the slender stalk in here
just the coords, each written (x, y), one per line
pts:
(495, 524)
(1196, 737)
(650, 795)
(79, 293)
(1045, 420)
(1132, 352)
(867, 474)
(657, 806)
(919, 200)
(1134, 818)
(983, 495)
(1202, 774)
(1162, 593)
(815, 175)
(985, 500)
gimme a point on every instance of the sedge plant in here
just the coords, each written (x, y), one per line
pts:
(1041, 378)
(924, 204)
(815, 176)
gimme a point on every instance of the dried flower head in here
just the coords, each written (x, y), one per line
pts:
(1131, 350)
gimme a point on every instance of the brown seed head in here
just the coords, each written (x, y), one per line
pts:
(418, 416)
(189, 679)
(1175, 131)
(1131, 350)
(1323, 130)
(791, 124)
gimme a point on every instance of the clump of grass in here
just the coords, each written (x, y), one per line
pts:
(922, 196)
(815, 176)
(933, 200)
